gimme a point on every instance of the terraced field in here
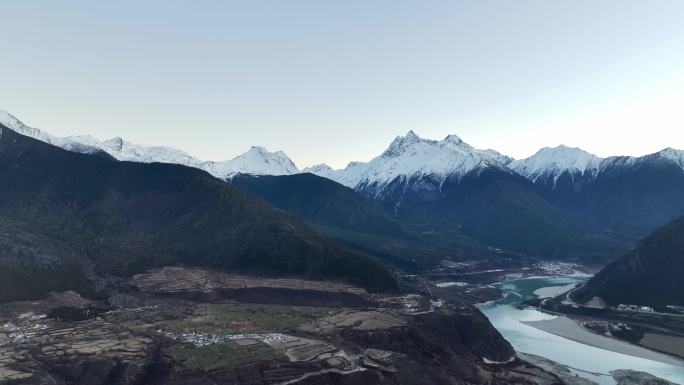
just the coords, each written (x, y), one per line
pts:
(227, 354)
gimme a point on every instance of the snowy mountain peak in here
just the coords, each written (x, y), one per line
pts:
(8, 120)
(565, 152)
(673, 155)
(455, 139)
(262, 154)
(256, 161)
(257, 149)
(411, 136)
(554, 161)
(318, 169)
(116, 143)
(408, 142)
(412, 156)
(401, 143)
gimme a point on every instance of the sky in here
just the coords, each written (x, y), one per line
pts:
(331, 82)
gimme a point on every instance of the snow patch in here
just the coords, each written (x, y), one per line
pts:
(492, 362)
(451, 284)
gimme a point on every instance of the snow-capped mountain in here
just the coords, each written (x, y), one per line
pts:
(411, 156)
(318, 169)
(671, 155)
(553, 162)
(449, 184)
(127, 151)
(573, 196)
(66, 143)
(623, 197)
(256, 161)
(549, 164)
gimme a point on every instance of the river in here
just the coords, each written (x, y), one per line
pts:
(506, 315)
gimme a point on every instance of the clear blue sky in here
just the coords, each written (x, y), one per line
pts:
(336, 81)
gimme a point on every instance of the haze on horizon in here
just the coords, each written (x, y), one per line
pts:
(335, 82)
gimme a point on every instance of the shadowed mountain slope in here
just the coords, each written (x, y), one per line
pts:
(651, 274)
(321, 201)
(341, 213)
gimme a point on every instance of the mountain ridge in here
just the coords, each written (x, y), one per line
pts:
(257, 160)
(547, 161)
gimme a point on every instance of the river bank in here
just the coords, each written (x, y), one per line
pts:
(565, 327)
(565, 342)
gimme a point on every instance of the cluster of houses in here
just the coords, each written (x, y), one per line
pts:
(22, 332)
(635, 308)
(199, 339)
(556, 267)
(676, 309)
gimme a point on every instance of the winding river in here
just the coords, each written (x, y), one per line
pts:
(584, 360)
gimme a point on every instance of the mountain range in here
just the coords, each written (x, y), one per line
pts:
(70, 220)
(559, 202)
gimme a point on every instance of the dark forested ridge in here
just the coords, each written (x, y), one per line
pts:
(341, 213)
(651, 274)
(321, 201)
